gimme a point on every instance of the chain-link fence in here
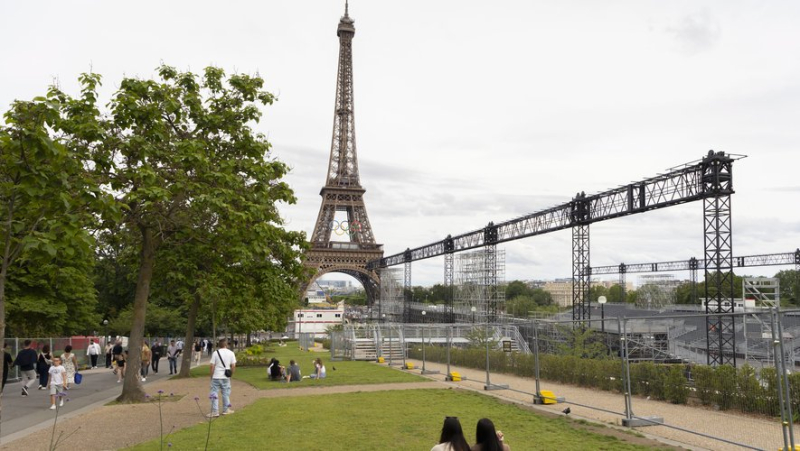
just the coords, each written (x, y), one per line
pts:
(636, 371)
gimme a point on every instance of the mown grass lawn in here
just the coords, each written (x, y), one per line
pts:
(346, 372)
(396, 420)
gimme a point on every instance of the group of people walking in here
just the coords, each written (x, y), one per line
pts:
(487, 438)
(53, 373)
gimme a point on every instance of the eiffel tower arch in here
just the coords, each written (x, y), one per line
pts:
(343, 192)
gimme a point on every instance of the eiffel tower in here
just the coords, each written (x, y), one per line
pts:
(342, 191)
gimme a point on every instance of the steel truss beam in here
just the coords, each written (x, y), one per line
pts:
(786, 258)
(678, 186)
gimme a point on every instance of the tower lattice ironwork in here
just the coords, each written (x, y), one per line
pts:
(342, 191)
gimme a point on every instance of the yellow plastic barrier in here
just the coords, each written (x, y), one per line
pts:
(455, 376)
(548, 397)
(381, 360)
(409, 366)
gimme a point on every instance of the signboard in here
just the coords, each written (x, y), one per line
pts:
(506, 346)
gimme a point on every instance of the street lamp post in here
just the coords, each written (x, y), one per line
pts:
(473, 309)
(602, 301)
(105, 325)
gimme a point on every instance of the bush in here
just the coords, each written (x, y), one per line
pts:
(675, 386)
(725, 386)
(704, 383)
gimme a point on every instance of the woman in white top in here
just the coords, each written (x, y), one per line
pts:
(319, 370)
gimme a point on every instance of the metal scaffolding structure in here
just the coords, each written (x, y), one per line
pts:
(390, 305)
(766, 291)
(479, 280)
(657, 290)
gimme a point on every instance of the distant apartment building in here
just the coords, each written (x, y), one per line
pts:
(561, 289)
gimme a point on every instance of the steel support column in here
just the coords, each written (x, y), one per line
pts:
(407, 290)
(718, 245)
(693, 277)
(448, 280)
(580, 217)
(796, 289)
(580, 274)
(490, 272)
(623, 271)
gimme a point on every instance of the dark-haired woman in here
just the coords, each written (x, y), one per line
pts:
(487, 438)
(452, 437)
(43, 366)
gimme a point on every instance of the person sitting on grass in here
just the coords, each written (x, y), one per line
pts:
(319, 369)
(293, 373)
(487, 438)
(452, 437)
(275, 371)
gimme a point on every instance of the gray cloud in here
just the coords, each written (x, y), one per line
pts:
(696, 33)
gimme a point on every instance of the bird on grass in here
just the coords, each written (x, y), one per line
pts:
(567, 411)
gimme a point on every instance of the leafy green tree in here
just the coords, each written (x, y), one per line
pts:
(615, 294)
(45, 199)
(596, 291)
(179, 154)
(517, 288)
(520, 306)
(790, 287)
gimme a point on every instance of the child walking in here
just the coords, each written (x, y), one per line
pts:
(55, 381)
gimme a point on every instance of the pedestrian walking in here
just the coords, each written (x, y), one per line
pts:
(198, 351)
(146, 356)
(56, 377)
(116, 352)
(156, 350)
(70, 363)
(121, 358)
(172, 356)
(93, 351)
(223, 363)
(26, 361)
(8, 362)
(210, 347)
(43, 364)
(109, 348)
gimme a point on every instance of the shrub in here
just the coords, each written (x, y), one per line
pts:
(725, 386)
(704, 383)
(675, 386)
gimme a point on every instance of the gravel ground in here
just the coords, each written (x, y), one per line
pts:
(757, 432)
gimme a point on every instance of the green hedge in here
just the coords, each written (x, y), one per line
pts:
(728, 388)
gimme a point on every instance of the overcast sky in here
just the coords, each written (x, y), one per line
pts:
(473, 111)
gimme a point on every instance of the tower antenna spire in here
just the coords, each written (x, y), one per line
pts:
(346, 7)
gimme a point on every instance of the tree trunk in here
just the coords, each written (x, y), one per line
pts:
(132, 390)
(186, 357)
